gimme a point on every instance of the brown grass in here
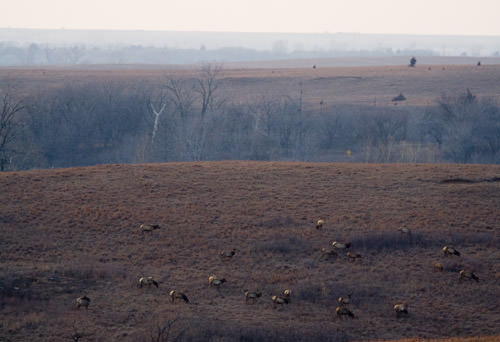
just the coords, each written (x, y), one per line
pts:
(368, 85)
(70, 232)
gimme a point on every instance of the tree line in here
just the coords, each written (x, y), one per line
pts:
(194, 118)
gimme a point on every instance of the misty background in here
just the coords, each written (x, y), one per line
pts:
(193, 115)
(70, 47)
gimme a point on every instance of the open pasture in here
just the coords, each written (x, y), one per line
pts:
(71, 232)
(373, 85)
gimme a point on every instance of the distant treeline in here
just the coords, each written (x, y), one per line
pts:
(93, 122)
(43, 54)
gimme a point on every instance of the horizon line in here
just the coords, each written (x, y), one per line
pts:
(250, 32)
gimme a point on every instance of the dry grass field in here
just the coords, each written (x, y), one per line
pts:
(352, 85)
(72, 232)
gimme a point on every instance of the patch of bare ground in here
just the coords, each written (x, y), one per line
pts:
(72, 232)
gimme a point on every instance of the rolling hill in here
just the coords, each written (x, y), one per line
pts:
(72, 232)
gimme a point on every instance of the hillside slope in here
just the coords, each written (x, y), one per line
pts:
(69, 232)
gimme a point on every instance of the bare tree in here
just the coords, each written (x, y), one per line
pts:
(467, 128)
(207, 85)
(10, 109)
(181, 96)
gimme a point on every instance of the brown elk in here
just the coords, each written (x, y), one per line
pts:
(83, 301)
(345, 300)
(438, 267)
(214, 281)
(279, 300)
(174, 294)
(463, 274)
(319, 224)
(287, 294)
(448, 251)
(252, 296)
(228, 254)
(401, 308)
(143, 281)
(341, 245)
(353, 256)
(404, 230)
(327, 253)
(148, 227)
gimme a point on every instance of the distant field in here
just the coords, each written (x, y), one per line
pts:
(68, 232)
(334, 85)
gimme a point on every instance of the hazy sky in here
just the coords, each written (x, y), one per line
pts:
(471, 17)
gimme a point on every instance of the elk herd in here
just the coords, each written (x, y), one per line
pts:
(342, 310)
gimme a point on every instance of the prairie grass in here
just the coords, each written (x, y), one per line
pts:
(54, 249)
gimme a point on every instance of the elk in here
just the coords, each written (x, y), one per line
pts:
(328, 253)
(147, 281)
(438, 267)
(448, 251)
(343, 301)
(228, 254)
(404, 230)
(353, 256)
(463, 274)
(401, 308)
(148, 227)
(83, 301)
(341, 245)
(319, 224)
(343, 311)
(174, 294)
(252, 296)
(214, 281)
(279, 300)
(287, 294)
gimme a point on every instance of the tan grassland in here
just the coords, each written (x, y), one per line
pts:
(71, 232)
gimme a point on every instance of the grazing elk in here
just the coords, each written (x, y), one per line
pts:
(228, 254)
(463, 274)
(279, 300)
(287, 294)
(343, 301)
(401, 308)
(341, 245)
(448, 251)
(343, 311)
(353, 256)
(252, 296)
(143, 281)
(214, 281)
(174, 294)
(148, 227)
(438, 267)
(404, 230)
(328, 253)
(83, 301)
(319, 224)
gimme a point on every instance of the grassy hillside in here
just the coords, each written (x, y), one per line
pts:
(70, 232)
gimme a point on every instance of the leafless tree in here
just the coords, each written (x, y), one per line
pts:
(181, 96)
(207, 85)
(10, 109)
